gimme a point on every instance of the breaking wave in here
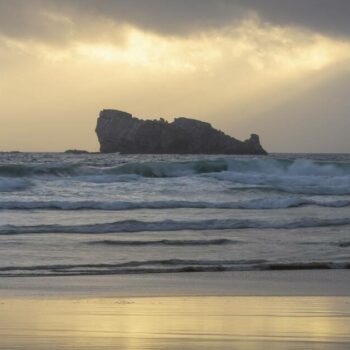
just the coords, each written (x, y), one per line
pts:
(162, 266)
(172, 225)
(259, 203)
(166, 242)
(282, 175)
(144, 169)
(39, 193)
(297, 167)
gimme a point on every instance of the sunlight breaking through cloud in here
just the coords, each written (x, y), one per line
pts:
(232, 73)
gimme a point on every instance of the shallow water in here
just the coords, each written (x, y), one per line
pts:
(111, 214)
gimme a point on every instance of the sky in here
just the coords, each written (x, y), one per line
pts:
(280, 69)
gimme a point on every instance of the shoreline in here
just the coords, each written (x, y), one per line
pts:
(235, 283)
(251, 310)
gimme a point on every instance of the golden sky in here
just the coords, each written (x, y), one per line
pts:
(254, 69)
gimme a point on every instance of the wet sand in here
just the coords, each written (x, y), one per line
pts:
(239, 283)
(176, 323)
(274, 310)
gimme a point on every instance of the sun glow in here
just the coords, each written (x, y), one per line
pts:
(236, 71)
(148, 322)
(263, 48)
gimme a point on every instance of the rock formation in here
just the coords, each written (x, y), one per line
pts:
(119, 131)
(76, 151)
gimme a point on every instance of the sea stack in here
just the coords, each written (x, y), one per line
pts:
(119, 131)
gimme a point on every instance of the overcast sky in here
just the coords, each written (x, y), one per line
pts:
(279, 68)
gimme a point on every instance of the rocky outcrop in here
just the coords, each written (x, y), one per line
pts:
(119, 131)
(76, 151)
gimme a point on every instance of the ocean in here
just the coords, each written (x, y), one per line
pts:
(105, 214)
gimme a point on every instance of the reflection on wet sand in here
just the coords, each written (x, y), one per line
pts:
(176, 323)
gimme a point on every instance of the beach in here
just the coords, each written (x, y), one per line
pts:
(176, 323)
(174, 252)
(231, 310)
(174, 175)
(237, 283)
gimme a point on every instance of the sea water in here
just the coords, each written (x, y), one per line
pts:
(94, 214)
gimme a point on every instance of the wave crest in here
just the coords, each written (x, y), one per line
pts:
(258, 203)
(296, 167)
(172, 225)
(162, 266)
(298, 176)
(166, 242)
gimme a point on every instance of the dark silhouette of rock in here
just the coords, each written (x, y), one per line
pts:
(76, 151)
(119, 131)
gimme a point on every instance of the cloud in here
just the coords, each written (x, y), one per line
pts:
(237, 64)
(64, 20)
(323, 16)
(28, 20)
(225, 77)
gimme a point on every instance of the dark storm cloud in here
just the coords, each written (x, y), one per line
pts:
(325, 16)
(165, 16)
(30, 19)
(27, 19)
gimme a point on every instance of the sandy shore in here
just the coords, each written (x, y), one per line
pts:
(261, 310)
(176, 323)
